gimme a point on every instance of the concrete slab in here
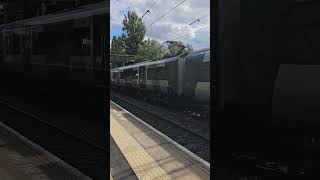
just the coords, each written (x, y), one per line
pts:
(132, 128)
(148, 139)
(168, 158)
(190, 173)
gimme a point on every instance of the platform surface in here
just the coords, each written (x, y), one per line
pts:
(119, 166)
(21, 159)
(151, 154)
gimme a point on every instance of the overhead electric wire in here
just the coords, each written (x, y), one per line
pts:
(177, 35)
(198, 20)
(165, 14)
(185, 26)
(148, 11)
(154, 4)
(193, 32)
(201, 29)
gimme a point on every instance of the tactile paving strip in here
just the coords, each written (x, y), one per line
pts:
(140, 161)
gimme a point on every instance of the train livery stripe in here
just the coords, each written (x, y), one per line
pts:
(202, 90)
(144, 166)
(164, 85)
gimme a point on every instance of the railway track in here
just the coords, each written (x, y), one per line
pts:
(194, 142)
(86, 156)
(185, 118)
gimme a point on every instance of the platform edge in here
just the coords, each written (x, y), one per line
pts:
(194, 157)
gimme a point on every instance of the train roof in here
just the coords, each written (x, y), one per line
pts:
(147, 63)
(81, 12)
(199, 51)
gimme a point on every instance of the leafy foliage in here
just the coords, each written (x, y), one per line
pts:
(131, 41)
(118, 45)
(134, 31)
(150, 49)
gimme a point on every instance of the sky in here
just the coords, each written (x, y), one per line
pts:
(170, 27)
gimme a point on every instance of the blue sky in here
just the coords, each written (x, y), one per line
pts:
(165, 28)
(115, 30)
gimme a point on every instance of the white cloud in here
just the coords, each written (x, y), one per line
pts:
(164, 29)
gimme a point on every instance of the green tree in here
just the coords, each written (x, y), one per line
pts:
(132, 42)
(118, 45)
(134, 30)
(150, 49)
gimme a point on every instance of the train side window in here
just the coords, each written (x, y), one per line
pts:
(114, 75)
(121, 75)
(132, 74)
(151, 72)
(125, 74)
(81, 45)
(157, 73)
(13, 44)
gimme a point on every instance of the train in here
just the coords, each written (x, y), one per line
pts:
(59, 52)
(184, 77)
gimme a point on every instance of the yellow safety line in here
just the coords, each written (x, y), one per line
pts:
(140, 161)
(111, 177)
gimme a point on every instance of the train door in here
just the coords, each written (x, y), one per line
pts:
(142, 77)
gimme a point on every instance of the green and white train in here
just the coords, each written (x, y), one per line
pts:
(186, 76)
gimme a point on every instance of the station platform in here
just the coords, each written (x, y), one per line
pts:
(139, 151)
(21, 159)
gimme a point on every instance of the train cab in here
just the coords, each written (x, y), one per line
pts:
(197, 75)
